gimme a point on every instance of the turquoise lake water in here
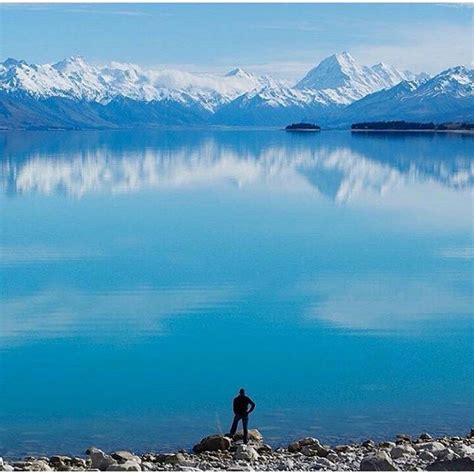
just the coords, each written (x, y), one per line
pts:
(147, 276)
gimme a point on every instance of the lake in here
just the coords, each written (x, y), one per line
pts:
(147, 275)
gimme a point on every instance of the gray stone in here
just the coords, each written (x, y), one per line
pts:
(368, 444)
(213, 443)
(124, 456)
(39, 465)
(286, 465)
(425, 437)
(432, 446)
(246, 453)
(294, 447)
(323, 462)
(379, 461)
(427, 456)
(332, 456)
(401, 451)
(403, 437)
(171, 458)
(461, 464)
(124, 466)
(387, 444)
(147, 466)
(446, 455)
(463, 450)
(100, 460)
(308, 441)
(264, 448)
(310, 450)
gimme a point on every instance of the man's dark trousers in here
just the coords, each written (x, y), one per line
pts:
(245, 422)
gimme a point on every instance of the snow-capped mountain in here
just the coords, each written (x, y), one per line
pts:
(448, 96)
(349, 81)
(75, 94)
(73, 78)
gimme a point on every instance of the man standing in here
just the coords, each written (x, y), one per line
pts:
(241, 412)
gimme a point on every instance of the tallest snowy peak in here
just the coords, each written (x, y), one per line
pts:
(342, 58)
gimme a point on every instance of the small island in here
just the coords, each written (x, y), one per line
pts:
(303, 127)
(402, 126)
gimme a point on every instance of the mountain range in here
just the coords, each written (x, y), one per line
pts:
(335, 93)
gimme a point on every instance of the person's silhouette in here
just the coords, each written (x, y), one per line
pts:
(241, 412)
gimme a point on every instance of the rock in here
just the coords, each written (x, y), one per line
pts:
(213, 443)
(332, 456)
(402, 450)
(124, 466)
(387, 444)
(323, 462)
(246, 453)
(264, 448)
(432, 446)
(463, 450)
(461, 464)
(124, 456)
(6, 467)
(147, 466)
(254, 435)
(39, 465)
(170, 458)
(100, 460)
(294, 447)
(62, 463)
(341, 448)
(427, 456)
(308, 442)
(309, 450)
(368, 444)
(446, 455)
(379, 461)
(425, 437)
(286, 465)
(472, 433)
(403, 437)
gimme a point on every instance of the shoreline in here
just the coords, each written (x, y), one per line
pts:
(221, 453)
(390, 130)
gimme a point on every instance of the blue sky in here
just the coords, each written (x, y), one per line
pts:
(284, 40)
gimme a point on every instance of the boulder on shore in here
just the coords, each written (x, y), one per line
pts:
(380, 461)
(100, 460)
(461, 464)
(213, 443)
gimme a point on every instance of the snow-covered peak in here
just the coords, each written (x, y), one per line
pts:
(389, 73)
(349, 80)
(239, 72)
(457, 82)
(73, 77)
(332, 72)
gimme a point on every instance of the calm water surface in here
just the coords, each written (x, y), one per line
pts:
(146, 276)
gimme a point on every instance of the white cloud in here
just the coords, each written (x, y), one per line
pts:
(69, 312)
(386, 303)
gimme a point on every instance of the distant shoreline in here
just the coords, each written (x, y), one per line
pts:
(389, 130)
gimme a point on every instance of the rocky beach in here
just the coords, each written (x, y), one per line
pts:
(222, 453)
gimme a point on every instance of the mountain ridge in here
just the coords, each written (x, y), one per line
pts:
(75, 94)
